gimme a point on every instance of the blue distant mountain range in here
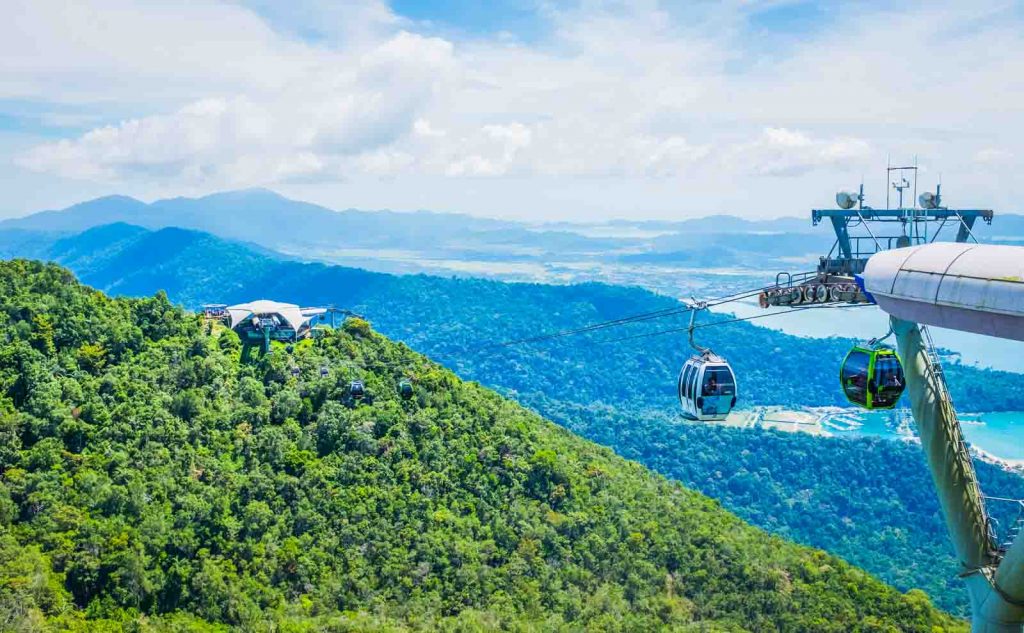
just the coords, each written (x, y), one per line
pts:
(264, 218)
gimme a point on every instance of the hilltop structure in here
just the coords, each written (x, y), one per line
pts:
(265, 320)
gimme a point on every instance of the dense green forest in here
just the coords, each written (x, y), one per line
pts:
(869, 502)
(152, 481)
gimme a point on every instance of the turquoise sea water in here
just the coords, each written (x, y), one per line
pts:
(1000, 434)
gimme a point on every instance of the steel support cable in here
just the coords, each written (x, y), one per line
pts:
(633, 319)
(735, 320)
(637, 318)
(868, 228)
(594, 327)
(599, 326)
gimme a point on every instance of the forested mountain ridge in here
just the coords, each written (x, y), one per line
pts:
(431, 240)
(869, 502)
(149, 480)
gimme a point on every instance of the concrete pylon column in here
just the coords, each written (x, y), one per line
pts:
(1009, 581)
(994, 587)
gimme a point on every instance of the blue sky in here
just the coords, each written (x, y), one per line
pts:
(478, 19)
(526, 20)
(531, 110)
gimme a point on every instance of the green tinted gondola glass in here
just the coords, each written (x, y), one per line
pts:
(405, 389)
(872, 378)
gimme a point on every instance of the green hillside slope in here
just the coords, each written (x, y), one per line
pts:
(149, 479)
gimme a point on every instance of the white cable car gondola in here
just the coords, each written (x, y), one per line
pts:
(707, 384)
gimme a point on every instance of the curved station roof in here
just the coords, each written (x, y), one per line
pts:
(292, 315)
(969, 287)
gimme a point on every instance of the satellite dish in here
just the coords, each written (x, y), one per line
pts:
(928, 200)
(846, 200)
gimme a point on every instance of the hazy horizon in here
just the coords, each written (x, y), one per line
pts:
(581, 221)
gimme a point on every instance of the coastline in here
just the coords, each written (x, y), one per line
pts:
(896, 424)
(1012, 465)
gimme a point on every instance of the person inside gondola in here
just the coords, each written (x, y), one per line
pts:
(711, 386)
(890, 388)
(893, 382)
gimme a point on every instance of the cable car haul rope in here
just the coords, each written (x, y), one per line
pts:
(707, 385)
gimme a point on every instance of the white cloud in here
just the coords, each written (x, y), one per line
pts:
(147, 53)
(646, 101)
(493, 150)
(785, 152)
(302, 131)
(993, 156)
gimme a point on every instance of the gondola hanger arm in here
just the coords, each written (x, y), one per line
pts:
(875, 341)
(696, 307)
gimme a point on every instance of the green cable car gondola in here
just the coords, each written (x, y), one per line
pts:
(405, 388)
(872, 377)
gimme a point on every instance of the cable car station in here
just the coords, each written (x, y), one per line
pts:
(262, 321)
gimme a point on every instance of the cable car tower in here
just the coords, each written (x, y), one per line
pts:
(892, 258)
(862, 230)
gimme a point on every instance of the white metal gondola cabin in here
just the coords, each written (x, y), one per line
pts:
(707, 387)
